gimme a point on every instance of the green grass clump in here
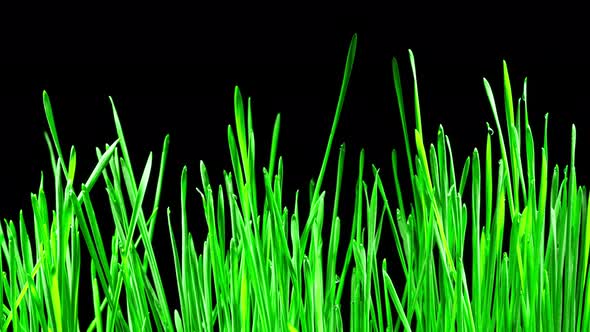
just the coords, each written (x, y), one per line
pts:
(264, 265)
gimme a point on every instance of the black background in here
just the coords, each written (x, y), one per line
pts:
(173, 71)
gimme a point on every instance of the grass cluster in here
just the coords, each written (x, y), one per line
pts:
(264, 265)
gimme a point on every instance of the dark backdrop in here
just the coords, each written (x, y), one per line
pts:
(173, 71)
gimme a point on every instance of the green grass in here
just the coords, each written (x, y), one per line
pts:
(264, 265)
